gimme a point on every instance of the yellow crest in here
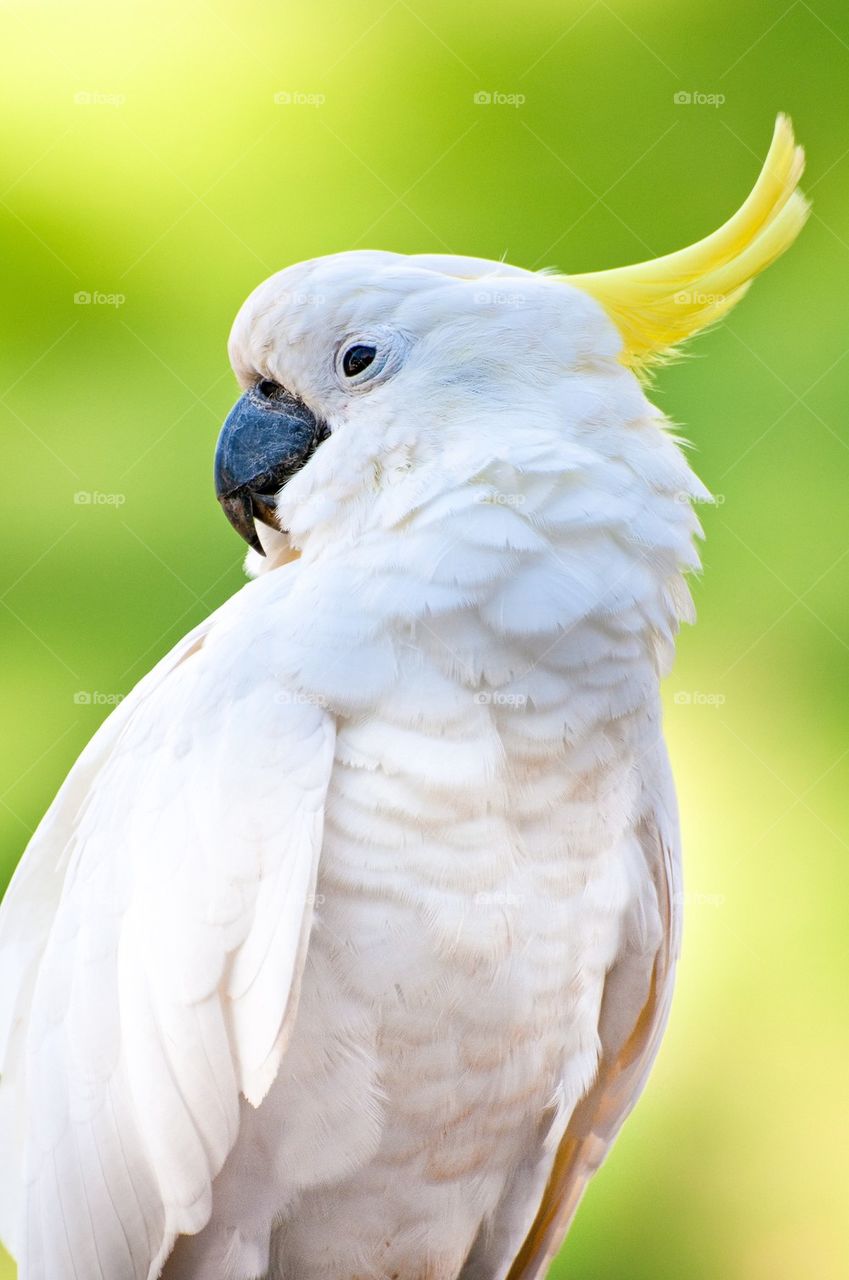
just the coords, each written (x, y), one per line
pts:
(658, 304)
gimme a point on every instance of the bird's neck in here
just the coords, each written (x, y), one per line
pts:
(515, 583)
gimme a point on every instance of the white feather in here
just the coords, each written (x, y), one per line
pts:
(307, 962)
(177, 938)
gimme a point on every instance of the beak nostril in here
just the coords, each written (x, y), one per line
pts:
(268, 436)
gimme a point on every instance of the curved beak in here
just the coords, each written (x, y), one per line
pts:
(265, 440)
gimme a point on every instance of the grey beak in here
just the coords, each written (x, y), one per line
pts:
(268, 436)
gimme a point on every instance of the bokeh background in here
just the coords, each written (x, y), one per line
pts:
(160, 159)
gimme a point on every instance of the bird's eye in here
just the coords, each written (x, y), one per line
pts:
(366, 359)
(356, 358)
(268, 389)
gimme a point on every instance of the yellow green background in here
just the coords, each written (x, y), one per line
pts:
(190, 184)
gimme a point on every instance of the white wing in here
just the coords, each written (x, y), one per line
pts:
(151, 946)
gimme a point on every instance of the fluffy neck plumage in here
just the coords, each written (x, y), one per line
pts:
(559, 543)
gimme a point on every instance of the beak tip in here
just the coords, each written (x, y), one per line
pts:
(238, 509)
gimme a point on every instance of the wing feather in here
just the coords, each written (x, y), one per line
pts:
(150, 953)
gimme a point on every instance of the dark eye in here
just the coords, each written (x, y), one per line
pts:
(268, 388)
(357, 358)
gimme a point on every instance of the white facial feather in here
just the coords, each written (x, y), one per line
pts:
(515, 460)
(506, 378)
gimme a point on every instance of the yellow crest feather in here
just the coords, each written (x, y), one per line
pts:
(658, 304)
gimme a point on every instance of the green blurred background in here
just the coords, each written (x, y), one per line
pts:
(146, 157)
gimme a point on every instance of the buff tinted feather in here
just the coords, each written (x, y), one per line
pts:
(659, 303)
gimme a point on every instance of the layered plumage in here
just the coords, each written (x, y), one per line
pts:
(348, 944)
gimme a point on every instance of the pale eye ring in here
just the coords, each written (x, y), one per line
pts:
(366, 358)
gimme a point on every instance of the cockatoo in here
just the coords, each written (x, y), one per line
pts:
(348, 943)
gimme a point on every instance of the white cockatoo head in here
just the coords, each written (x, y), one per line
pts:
(376, 382)
(366, 369)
